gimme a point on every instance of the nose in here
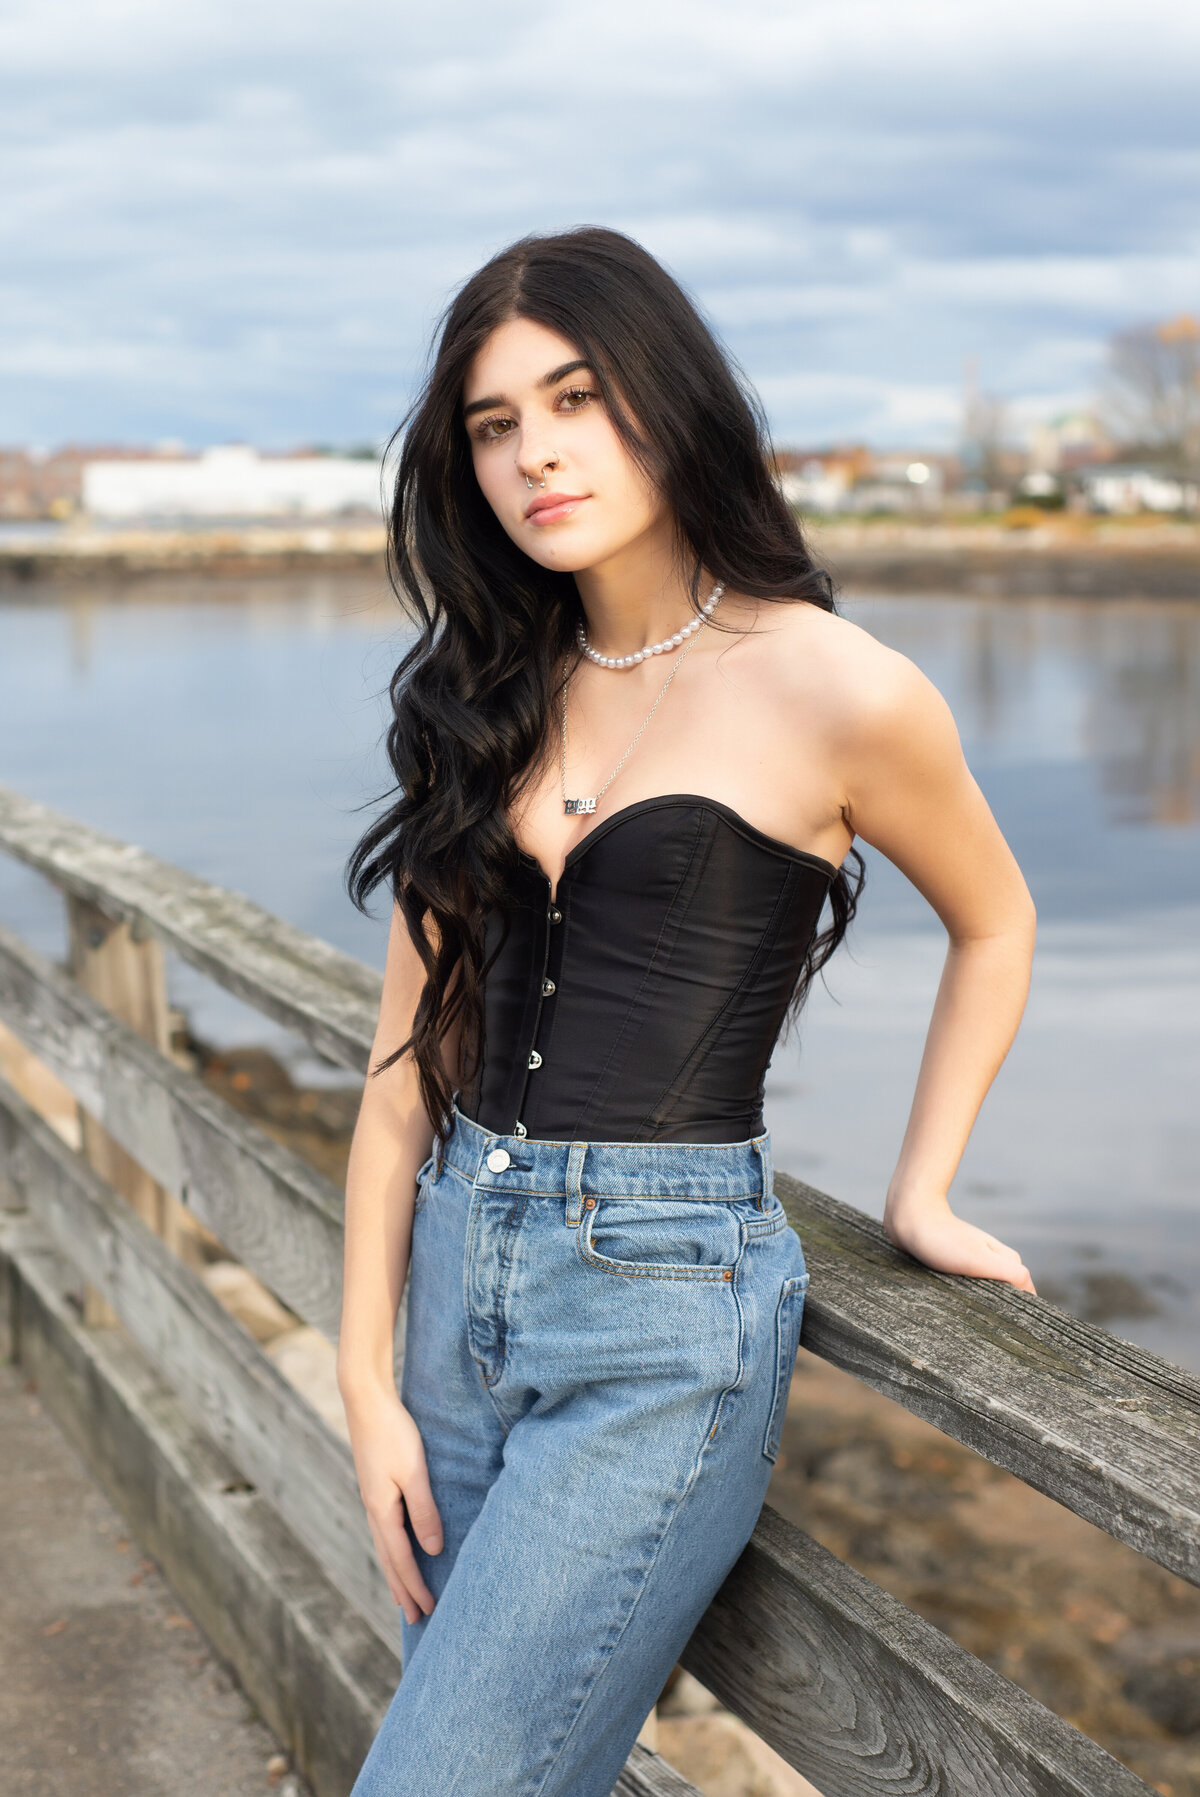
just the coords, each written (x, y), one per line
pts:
(536, 464)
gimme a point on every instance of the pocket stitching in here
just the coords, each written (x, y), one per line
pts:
(631, 1269)
(791, 1290)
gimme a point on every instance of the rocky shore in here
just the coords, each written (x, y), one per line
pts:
(83, 552)
(1023, 552)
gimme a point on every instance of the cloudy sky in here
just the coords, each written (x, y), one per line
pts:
(235, 219)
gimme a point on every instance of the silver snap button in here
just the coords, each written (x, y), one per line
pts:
(555, 914)
(535, 1059)
(547, 988)
(498, 1160)
(519, 1129)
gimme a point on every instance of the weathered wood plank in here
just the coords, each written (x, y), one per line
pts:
(867, 1699)
(320, 1677)
(1102, 1426)
(1106, 1428)
(318, 1674)
(274, 1212)
(1096, 1423)
(327, 997)
(267, 1428)
(129, 979)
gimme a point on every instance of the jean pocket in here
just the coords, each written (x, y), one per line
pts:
(788, 1313)
(661, 1238)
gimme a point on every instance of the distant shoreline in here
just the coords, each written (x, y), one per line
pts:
(1062, 556)
(1066, 557)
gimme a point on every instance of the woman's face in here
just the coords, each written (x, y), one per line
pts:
(531, 407)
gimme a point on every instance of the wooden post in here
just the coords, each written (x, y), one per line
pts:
(127, 976)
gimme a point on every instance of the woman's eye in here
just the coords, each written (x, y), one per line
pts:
(491, 428)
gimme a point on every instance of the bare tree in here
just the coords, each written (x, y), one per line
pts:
(1153, 389)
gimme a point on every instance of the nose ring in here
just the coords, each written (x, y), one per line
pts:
(550, 462)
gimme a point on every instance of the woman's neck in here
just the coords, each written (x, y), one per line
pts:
(634, 599)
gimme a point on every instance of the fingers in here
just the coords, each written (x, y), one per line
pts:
(422, 1511)
(405, 1562)
(951, 1245)
(1011, 1268)
(392, 1472)
(396, 1549)
(397, 1559)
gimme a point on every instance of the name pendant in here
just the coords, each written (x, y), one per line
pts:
(575, 807)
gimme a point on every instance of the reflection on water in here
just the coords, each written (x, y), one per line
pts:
(1143, 728)
(1115, 685)
(235, 728)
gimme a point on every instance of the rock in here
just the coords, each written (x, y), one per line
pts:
(1170, 1693)
(1159, 1641)
(1101, 1297)
(723, 1758)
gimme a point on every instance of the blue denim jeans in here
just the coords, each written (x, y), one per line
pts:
(599, 1346)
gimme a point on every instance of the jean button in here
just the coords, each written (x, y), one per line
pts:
(498, 1160)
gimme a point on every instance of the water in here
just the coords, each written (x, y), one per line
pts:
(234, 729)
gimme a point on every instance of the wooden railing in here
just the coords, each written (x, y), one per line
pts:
(248, 1497)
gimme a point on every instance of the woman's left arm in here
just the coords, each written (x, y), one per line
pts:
(910, 794)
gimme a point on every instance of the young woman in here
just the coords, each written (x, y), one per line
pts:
(633, 746)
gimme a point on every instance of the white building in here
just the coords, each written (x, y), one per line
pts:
(815, 486)
(1112, 488)
(231, 482)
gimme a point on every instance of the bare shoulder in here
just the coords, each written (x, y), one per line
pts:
(863, 695)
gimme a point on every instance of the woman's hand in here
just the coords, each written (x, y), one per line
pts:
(933, 1234)
(389, 1458)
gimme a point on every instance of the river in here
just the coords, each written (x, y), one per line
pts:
(234, 728)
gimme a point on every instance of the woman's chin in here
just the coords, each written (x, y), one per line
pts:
(571, 551)
(566, 555)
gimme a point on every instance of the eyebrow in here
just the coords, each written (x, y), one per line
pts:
(548, 380)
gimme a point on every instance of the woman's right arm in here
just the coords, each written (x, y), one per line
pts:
(392, 1137)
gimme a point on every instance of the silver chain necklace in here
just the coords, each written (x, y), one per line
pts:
(575, 807)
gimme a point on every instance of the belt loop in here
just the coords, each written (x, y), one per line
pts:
(762, 1147)
(440, 1147)
(574, 1183)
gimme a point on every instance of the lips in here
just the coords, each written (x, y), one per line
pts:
(547, 506)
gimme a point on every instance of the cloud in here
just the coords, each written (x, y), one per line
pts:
(243, 220)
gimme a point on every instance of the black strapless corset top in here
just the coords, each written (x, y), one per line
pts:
(643, 1001)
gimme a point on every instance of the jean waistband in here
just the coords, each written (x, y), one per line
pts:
(720, 1170)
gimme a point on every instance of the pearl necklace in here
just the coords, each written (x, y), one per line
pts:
(575, 805)
(671, 642)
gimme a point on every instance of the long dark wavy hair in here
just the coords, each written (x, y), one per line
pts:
(473, 698)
